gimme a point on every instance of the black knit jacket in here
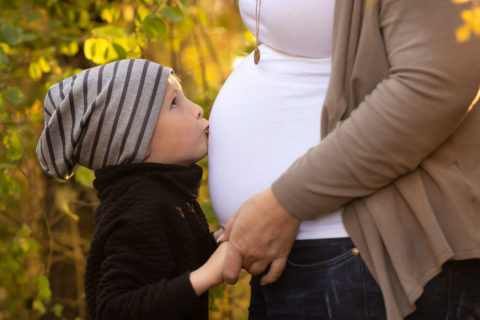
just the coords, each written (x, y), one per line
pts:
(150, 233)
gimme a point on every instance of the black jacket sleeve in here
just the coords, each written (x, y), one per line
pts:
(136, 275)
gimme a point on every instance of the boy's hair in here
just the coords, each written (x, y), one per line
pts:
(102, 116)
(175, 79)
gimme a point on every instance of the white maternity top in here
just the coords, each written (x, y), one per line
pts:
(268, 115)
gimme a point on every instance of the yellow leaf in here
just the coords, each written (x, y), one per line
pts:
(39, 306)
(63, 197)
(37, 107)
(69, 48)
(142, 12)
(110, 14)
(83, 19)
(34, 70)
(126, 43)
(88, 48)
(467, 15)
(463, 33)
(128, 12)
(99, 50)
(460, 1)
(44, 65)
(5, 47)
(476, 21)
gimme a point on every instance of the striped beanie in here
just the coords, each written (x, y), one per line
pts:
(102, 116)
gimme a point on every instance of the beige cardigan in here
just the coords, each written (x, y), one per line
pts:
(401, 147)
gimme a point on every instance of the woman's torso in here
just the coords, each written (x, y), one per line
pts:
(268, 115)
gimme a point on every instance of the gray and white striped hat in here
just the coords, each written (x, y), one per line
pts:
(102, 116)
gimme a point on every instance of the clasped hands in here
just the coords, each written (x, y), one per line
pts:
(260, 233)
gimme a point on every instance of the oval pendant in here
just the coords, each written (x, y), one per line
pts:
(256, 55)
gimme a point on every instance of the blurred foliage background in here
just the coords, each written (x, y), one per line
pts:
(46, 224)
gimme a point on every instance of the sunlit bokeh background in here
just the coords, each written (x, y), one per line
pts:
(46, 224)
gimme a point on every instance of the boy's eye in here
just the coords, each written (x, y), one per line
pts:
(174, 102)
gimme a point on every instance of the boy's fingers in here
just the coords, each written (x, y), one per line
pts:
(276, 270)
(232, 264)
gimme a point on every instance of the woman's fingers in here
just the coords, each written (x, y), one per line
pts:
(257, 267)
(228, 228)
(276, 270)
(261, 231)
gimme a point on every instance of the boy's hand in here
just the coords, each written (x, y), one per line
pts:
(210, 274)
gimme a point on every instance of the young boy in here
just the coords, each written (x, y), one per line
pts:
(130, 122)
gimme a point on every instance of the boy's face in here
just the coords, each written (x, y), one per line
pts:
(181, 134)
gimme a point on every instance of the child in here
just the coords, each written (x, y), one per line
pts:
(130, 122)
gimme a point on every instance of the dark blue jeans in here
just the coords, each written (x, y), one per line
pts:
(326, 279)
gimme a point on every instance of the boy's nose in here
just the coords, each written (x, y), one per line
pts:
(198, 111)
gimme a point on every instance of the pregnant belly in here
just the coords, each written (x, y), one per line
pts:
(263, 119)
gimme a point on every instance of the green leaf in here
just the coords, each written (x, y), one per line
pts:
(2, 102)
(13, 95)
(11, 34)
(185, 6)
(3, 58)
(25, 231)
(7, 166)
(121, 52)
(184, 3)
(26, 37)
(43, 287)
(57, 310)
(154, 27)
(14, 146)
(32, 14)
(109, 32)
(8, 185)
(172, 13)
(24, 244)
(216, 292)
(84, 176)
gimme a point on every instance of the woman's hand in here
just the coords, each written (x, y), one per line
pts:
(210, 274)
(260, 233)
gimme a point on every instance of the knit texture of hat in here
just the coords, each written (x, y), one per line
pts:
(102, 116)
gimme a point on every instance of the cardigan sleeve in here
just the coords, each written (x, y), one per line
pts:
(432, 82)
(136, 275)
